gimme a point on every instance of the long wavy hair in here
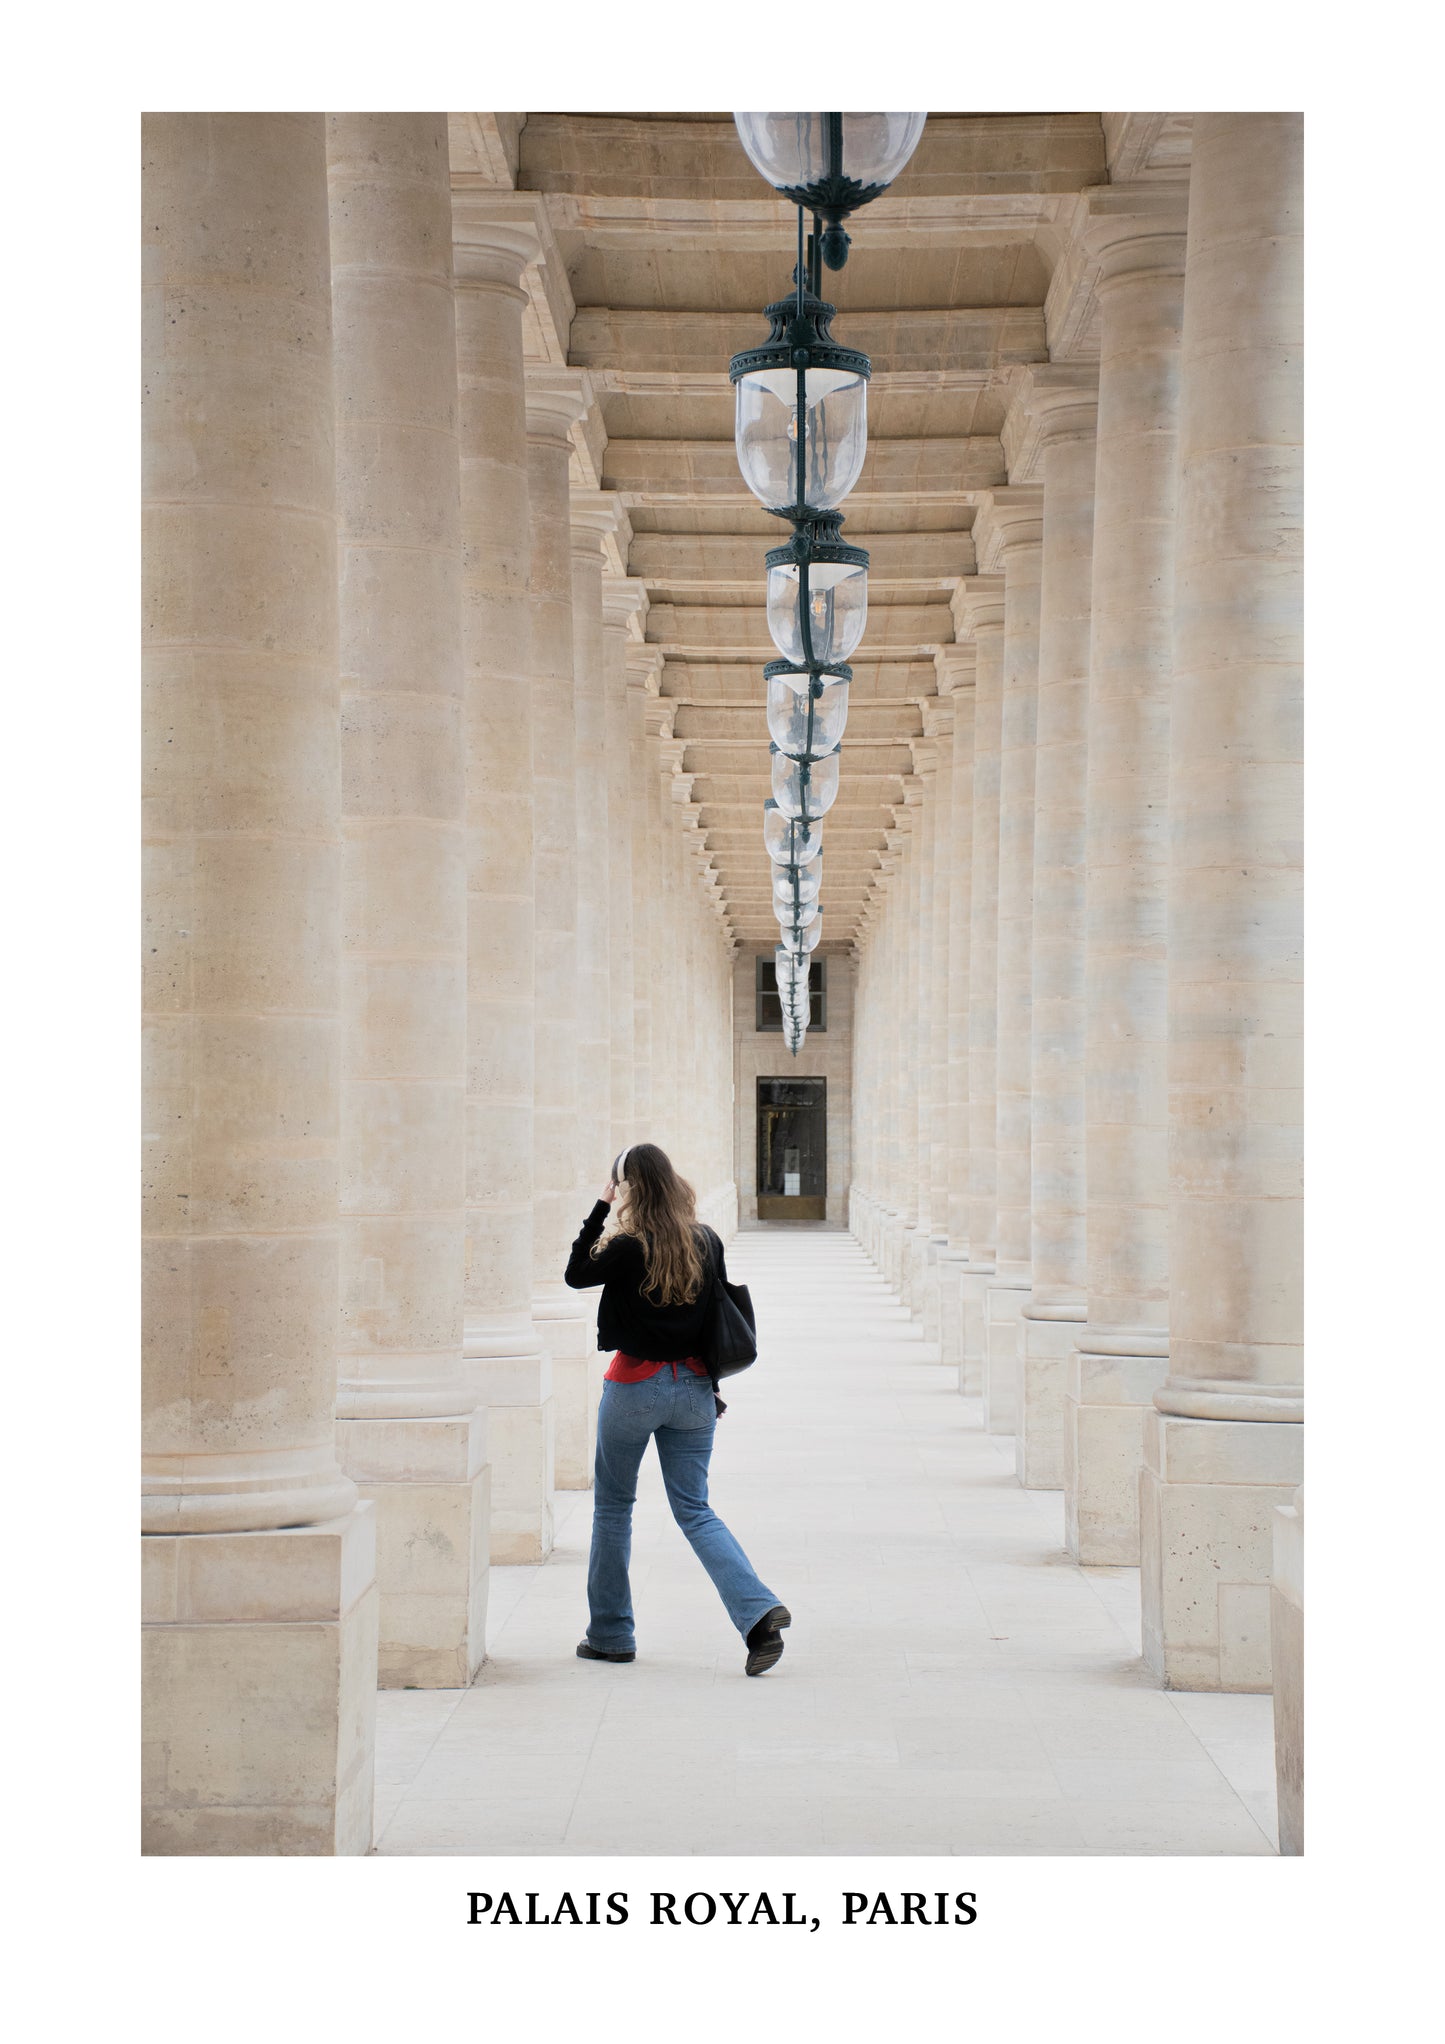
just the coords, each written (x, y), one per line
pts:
(660, 1209)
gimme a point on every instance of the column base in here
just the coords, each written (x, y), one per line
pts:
(431, 1486)
(1286, 1634)
(1045, 1346)
(910, 1267)
(516, 1390)
(951, 1265)
(1003, 1310)
(259, 1689)
(1107, 1399)
(973, 1294)
(570, 1335)
(1206, 1497)
(931, 1303)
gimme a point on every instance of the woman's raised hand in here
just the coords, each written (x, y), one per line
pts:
(609, 1191)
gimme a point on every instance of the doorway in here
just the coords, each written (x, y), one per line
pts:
(792, 1149)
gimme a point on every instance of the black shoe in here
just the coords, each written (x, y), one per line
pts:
(765, 1643)
(587, 1653)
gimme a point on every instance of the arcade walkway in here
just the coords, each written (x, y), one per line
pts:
(952, 1683)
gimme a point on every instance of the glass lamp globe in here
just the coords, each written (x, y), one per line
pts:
(837, 607)
(789, 842)
(800, 913)
(803, 940)
(789, 968)
(805, 787)
(798, 151)
(806, 718)
(797, 883)
(834, 431)
(806, 879)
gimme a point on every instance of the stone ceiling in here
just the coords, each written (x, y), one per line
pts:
(661, 245)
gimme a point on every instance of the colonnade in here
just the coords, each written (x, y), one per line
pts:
(1113, 1258)
(431, 936)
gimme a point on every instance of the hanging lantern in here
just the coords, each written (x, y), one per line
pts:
(798, 940)
(795, 913)
(807, 713)
(830, 163)
(817, 595)
(790, 883)
(803, 787)
(789, 842)
(801, 417)
(804, 881)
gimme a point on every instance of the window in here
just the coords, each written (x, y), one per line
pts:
(770, 1008)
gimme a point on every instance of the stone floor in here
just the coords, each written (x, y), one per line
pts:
(952, 1682)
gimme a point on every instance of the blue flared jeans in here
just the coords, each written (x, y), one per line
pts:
(677, 1411)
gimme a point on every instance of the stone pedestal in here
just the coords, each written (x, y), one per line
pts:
(1207, 1496)
(1108, 1399)
(258, 1657)
(1045, 1345)
(1286, 1627)
(430, 1485)
(1002, 1354)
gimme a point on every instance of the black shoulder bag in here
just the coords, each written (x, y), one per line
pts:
(730, 1341)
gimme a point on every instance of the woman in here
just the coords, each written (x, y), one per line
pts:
(656, 1265)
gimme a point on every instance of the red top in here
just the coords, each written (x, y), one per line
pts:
(628, 1370)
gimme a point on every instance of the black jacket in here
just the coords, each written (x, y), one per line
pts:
(626, 1319)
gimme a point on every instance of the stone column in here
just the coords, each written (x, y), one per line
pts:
(659, 716)
(592, 517)
(555, 399)
(906, 1055)
(503, 1349)
(1225, 1443)
(920, 1018)
(1059, 404)
(644, 669)
(979, 611)
(259, 1597)
(1137, 235)
(409, 1427)
(621, 600)
(890, 889)
(956, 669)
(938, 726)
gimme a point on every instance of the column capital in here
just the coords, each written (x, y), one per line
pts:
(556, 400)
(1134, 231)
(977, 605)
(493, 243)
(1010, 523)
(937, 714)
(658, 716)
(623, 599)
(1056, 401)
(596, 516)
(644, 669)
(955, 667)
